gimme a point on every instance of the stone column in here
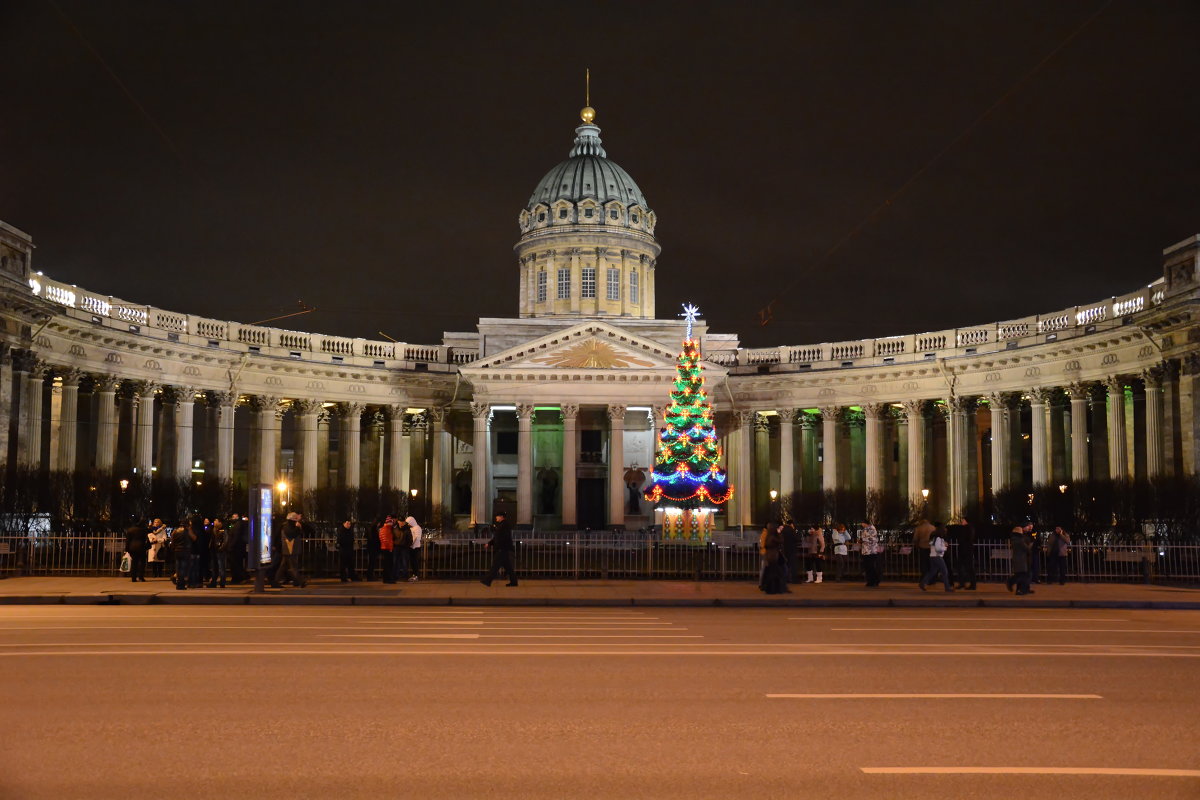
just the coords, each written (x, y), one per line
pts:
(143, 435)
(570, 458)
(435, 443)
(67, 422)
(959, 451)
(744, 488)
(480, 502)
(830, 417)
(1189, 414)
(787, 455)
(873, 445)
(1078, 392)
(616, 466)
(807, 476)
(33, 378)
(1155, 460)
(914, 410)
(185, 410)
(1118, 464)
(397, 449)
(224, 402)
(351, 416)
(525, 464)
(264, 424)
(999, 406)
(105, 389)
(306, 413)
(1039, 441)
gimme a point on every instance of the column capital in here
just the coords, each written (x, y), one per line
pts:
(806, 421)
(744, 418)
(144, 390)
(418, 422)
(1115, 384)
(1153, 376)
(524, 411)
(874, 410)
(221, 399)
(568, 411)
(660, 413)
(69, 375)
(833, 413)
(25, 361)
(1001, 400)
(305, 406)
(437, 415)
(914, 408)
(1079, 390)
(395, 412)
(350, 411)
(480, 410)
(760, 422)
(616, 413)
(959, 404)
(787, 416)
(1040, 396)
(260, 402)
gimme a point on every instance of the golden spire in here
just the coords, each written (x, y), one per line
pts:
(587, 114)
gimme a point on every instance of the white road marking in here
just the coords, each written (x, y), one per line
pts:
(1135, 771)
(521, 636)
(1021, 630)
(962, 696)
(591, 653)
(968, 613)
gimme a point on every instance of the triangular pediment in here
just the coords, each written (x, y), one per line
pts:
(591, 346)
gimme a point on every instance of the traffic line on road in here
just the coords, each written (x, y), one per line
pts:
(1132, 771)
(920, 696)
(1021, 630)
(968, 613)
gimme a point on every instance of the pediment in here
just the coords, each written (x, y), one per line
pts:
(589, 346)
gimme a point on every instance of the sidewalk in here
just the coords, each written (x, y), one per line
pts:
(115, 590)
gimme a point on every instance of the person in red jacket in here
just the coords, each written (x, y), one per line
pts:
(387, 534)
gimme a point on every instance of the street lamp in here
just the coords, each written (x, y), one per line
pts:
(1062, 488)
(124, 484)
(284, 489)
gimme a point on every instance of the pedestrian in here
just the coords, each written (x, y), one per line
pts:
(1057, 550)
(814, 554)
(238, 531)
(791, 551)
(182, 541)
(871, 551)
(1020, 544)
(501, 545)
(920, 544)
(1036, 548)
(414, 555)
(964, 535)
(157, 539)
(345, 546)
(841, 550)
(386, 537)
(771, 550)
(402, 549)
(201, 550)
(937, 560)
(219, 540)
(291, 539)
(135, 545)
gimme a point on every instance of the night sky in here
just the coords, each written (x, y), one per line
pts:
(371, 159)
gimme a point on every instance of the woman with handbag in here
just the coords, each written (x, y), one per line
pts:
(814, 554)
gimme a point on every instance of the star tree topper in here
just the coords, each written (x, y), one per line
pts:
(691, 312)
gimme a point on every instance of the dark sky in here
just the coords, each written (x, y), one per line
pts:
(371, 159)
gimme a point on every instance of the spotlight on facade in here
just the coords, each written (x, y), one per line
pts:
(1062, 487)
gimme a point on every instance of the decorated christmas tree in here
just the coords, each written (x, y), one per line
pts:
(688, 483)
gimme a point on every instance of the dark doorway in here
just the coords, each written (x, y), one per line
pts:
(592, 503)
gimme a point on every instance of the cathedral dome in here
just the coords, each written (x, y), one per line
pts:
(587, 173)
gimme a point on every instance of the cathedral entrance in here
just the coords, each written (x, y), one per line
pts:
(592, 504)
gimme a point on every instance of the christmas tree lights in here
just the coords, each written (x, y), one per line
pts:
(687, 480)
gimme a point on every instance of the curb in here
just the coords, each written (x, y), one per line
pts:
(187, 599)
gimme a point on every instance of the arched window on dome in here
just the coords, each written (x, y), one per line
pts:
(542, 282)
(613, 284)
(633, 287)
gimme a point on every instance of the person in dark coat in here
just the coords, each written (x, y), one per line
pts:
(291, 537)
(1020, 543)
(373, 551)
(135, 544)
(501, 546)
(238, 531)
(791, 551)
(773, 577)
(963, 534)
(345, 546)
(183, 539)
(201, 551)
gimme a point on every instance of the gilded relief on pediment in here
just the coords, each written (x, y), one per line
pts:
(591, 354)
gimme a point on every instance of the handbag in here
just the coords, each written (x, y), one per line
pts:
(126, 562)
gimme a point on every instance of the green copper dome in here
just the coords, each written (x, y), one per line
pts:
(587, 173)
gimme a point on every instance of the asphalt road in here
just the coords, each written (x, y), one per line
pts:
(168, 701)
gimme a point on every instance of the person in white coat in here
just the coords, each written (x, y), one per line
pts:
(157, 539)
(414, 554)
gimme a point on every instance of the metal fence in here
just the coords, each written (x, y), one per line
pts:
(623, 555)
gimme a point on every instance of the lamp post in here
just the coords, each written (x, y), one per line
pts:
(924, 502)
(774, 504)
(285, 491)
(413, 503)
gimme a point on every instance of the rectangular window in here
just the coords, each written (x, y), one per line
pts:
(564, 283)
(633, 287)
(541, 286)
(613, 291)
(588, 212)
(587, 284)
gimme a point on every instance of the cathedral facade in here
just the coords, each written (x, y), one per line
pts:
(552, 415)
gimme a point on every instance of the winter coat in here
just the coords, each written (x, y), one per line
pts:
(1020, 545)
